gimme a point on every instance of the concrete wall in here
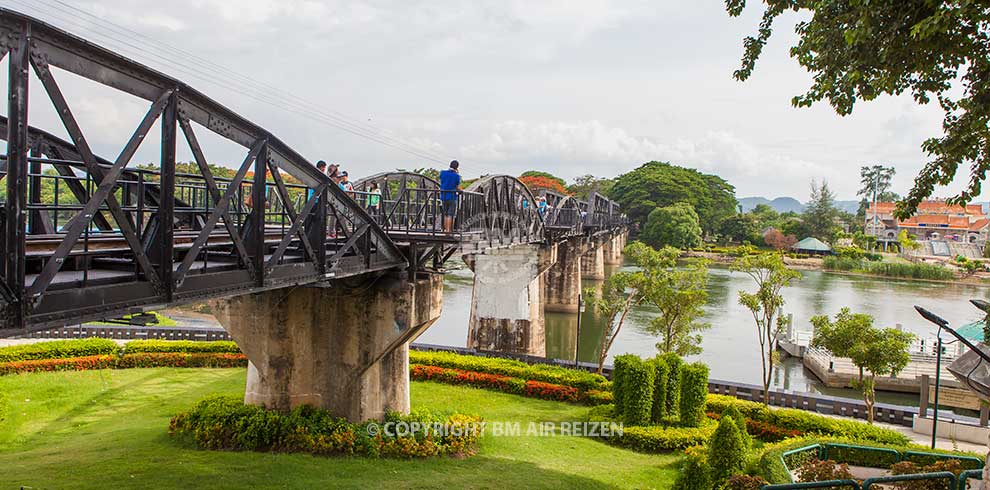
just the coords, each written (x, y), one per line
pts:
(337, 348)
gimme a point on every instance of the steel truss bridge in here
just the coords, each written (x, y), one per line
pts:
(86, 237)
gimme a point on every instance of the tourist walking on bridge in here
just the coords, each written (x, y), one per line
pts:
(450, 179)
(374, 199)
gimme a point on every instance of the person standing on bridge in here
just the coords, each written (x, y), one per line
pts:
(322, 167)
(374, 199)
(450, 180)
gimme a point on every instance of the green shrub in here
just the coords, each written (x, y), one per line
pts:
(596, 397)
(602, 413)
(223, 346)
(59, 349)
(637, 387)
(694, 472)
(674, 363)
(806, 422)
(620, 367)
(660, 439)
(890, 269)
(741, 421)
(576, 378)
(694, 389)
(225, 422)
(660, 390)
(726, 451)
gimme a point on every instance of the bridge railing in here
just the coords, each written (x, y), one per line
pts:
(419, 212)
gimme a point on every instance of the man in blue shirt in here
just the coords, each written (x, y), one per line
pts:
(450, 179)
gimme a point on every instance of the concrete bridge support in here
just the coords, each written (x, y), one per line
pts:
(613, 250)
(506, 302)
(332, 347)
(563, 278)
(593, 262)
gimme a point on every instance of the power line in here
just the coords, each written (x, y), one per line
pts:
(245, 86)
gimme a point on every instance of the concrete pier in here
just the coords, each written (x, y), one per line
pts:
(613, 250)
(593, 262)
(506, 302)
(336, 348)
(563, 279)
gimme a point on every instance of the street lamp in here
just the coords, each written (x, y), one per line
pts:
(577, 342)
(942, 323)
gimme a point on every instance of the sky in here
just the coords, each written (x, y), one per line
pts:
(571, 87)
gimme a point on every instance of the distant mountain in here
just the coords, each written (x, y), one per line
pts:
(785, 204)
(780, 204)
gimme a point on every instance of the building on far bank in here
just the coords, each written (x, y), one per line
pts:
(935, 221)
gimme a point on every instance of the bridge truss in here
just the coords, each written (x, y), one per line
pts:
(86, 237)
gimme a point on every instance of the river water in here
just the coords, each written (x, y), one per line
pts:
(731, 348)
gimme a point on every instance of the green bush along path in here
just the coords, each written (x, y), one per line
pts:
(109, 429)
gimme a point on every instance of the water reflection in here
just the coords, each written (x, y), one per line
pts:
(731, 346)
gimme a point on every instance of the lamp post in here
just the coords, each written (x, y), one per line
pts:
(942, 323)
(577, 342)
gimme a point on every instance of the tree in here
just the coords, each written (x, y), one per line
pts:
(740, 228)
(557, 181)
(537, 182)
(820, 214)
(675, 225)
(659, 184)
(879, 352)
(678, 293)
(931, 49)
(584, 185)
(907, 241)
(620, 293)
(875, 180)
(771, 276)
(779, 241)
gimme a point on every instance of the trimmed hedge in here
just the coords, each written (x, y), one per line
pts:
(806, 422)
(225, 422)
(673, 398)
(637, 389)
(660, 390)
(726, 451)
(660, 439)
(222, 346)
(181, 359)
(694, 472)
(581, 380)
(694, 389)
(59, 349)
(620, 366)
(653, 438)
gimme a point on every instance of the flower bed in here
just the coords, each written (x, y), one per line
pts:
(582, 380)
(181, 359)
(764, 431)
(806, 422)
(225, 422)
(497, 382)
(71, 364)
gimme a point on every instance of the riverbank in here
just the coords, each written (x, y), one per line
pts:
(818, 264)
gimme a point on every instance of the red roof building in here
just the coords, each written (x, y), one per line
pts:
(934, 220)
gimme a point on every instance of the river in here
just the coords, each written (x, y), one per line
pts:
(731, 348)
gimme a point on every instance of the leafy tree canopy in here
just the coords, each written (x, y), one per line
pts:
(546, 175)
(584, 185)
(675, 226)
(932, 49)
(659, 184)
(820, 215)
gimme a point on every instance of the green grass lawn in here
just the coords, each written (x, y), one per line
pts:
(109, 429)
